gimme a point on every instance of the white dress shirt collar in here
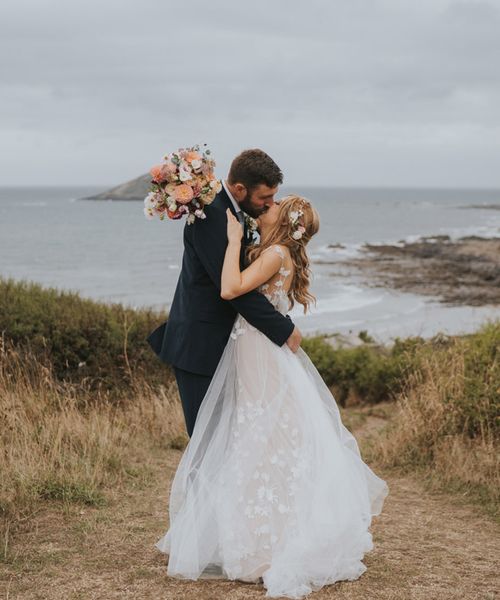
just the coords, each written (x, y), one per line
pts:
(233, 201)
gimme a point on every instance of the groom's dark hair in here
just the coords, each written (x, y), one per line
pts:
(254, 167)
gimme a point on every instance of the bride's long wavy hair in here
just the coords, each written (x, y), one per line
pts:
(282, 233)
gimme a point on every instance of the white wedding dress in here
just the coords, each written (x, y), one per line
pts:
(271, 483)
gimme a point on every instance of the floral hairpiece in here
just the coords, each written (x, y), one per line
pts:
(295, 221)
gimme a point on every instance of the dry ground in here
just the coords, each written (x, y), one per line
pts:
(428, 546)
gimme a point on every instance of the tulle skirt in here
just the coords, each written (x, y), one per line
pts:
(271, 483)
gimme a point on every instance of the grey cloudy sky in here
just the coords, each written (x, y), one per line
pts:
(352, 92)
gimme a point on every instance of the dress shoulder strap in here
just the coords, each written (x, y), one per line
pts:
(282, 271)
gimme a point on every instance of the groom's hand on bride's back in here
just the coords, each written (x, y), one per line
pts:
(293, 342)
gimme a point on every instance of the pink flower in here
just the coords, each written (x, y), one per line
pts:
(167, 170)
(206, 168)
(156, 173)
(184, 193)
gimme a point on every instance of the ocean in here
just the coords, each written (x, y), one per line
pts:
(107, 250)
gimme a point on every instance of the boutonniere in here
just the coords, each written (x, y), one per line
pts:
(252, 232)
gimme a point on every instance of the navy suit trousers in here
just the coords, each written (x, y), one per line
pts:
(192, 390)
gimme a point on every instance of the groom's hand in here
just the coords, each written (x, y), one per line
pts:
(294, 340)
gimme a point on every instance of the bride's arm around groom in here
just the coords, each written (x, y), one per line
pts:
(193, 338)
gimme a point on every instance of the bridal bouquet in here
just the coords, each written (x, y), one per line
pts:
(183, 184)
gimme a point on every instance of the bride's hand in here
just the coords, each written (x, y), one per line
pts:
(234, 228)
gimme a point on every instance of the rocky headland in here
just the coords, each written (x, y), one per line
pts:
(465, 271)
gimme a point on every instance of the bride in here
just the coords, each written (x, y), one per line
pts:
(271, 487)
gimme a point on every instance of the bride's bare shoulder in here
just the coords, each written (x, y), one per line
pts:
(283, 251)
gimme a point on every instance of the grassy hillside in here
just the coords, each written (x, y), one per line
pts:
(82, 341)
(103, 346)
(84, 401)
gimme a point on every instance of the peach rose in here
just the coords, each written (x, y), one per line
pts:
(184, 193)
(190, 156)
(157, 174)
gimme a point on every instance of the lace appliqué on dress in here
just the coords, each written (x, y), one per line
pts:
(274, 290)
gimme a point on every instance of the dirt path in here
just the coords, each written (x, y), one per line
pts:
(427, 547)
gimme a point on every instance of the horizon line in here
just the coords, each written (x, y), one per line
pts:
(442, 187)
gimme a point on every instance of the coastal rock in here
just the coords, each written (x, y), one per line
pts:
(135, 189)
(465, 271)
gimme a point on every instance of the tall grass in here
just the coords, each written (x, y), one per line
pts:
(447, 420)
(58, 441)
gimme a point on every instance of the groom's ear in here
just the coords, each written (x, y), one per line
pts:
(239, 191)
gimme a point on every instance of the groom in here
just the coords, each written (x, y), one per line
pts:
(200, 321)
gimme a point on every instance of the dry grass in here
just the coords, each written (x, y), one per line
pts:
(85, 486)
(446, 424)
(62, 442)
(428, 546)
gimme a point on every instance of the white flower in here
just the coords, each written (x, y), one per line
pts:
(297, 235)
(196, 164)
(148, 213)
(150, 200)
(294, 215)
(190, 219)
(271, 496)
(184, 175)
(251, 223)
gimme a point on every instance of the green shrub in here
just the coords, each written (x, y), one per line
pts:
(372, 373)
(83, 340)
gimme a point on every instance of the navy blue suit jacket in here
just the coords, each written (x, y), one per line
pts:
(200, 321)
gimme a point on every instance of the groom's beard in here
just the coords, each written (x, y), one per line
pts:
(248, 207)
